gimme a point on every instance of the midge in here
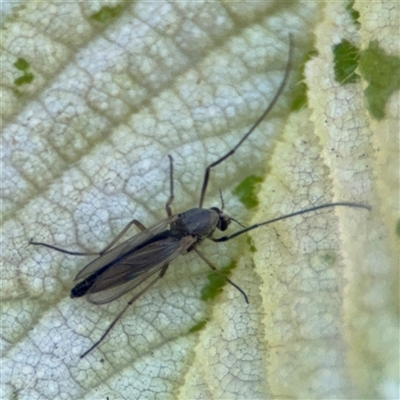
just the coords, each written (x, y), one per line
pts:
(126, 266)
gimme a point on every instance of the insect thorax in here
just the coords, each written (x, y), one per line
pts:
(199, 222)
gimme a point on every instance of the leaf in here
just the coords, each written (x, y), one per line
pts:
(94, 99)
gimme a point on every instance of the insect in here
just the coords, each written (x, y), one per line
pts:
(141, 261)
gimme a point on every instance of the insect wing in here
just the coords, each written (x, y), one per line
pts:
(109, 295)
(125, 247)
(136, 268)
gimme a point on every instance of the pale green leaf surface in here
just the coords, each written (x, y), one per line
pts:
(85, 148)
(334, 314)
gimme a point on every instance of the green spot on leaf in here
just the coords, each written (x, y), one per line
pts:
(27, 77)
(249, 241)
(107, 13)
(354, 14)
(24, 79)
(21, 64)
(247, 191)
(216, 281)
(382, 73)
(198, 327)
(299, 93)
(346, 57)
(398, 228)
(329, 258)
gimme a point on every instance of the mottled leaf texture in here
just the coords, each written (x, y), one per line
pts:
(95, 95)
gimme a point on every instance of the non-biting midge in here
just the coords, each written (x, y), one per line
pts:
(145, 257)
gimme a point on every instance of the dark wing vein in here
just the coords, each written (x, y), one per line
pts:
(136, 268)
(124, 247)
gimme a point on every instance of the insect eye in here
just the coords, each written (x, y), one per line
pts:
(223, 223)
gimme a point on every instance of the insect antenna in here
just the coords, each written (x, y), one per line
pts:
(239, 223)
(222, 208)
(222, 200)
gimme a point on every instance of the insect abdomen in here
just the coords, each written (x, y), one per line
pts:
(81, 288)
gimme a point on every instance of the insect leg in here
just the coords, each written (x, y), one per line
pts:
(171, 186)
(122, 233)
(73, 253)
(90, 253)
(250, 131)
(203, 257)
(130, 302)
(255, 226)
